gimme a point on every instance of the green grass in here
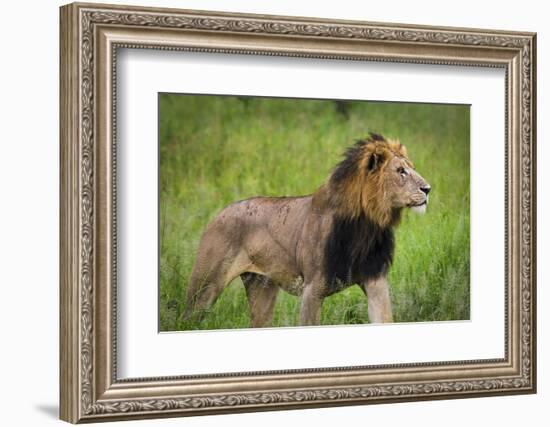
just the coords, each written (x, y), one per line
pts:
(216, 150)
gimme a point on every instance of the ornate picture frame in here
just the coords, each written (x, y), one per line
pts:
(90, 37)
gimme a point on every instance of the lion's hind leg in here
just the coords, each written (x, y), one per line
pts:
(211, 274)
(261, 293)
(202, 291)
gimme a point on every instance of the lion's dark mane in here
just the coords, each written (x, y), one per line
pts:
(357, 249)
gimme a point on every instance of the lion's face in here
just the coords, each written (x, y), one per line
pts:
(377, 179)
(404, 186)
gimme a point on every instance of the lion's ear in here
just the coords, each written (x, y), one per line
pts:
(375, 160)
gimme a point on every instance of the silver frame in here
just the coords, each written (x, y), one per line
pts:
(90, 37)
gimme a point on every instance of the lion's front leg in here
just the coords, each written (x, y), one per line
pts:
(378, 294)
(312, 301)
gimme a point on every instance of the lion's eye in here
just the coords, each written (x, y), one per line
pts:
(402, 171)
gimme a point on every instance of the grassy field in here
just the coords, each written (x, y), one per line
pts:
(216, 150)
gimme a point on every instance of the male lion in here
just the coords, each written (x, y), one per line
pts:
(315, 245)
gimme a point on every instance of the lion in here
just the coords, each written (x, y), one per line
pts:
(315, 245)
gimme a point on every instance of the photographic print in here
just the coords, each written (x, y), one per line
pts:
(278, 212)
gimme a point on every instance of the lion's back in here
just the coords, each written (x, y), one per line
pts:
(266, 211)
(280, 218)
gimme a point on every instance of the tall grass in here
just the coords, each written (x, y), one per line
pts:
(215, 150)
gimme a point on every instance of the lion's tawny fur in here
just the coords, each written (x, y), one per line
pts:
(315, 245)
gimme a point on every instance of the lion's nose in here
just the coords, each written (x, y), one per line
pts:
(426, 189)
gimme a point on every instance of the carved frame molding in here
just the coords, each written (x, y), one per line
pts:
(90, 37)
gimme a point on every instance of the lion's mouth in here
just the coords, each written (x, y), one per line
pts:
(417, 205)
(420, 208)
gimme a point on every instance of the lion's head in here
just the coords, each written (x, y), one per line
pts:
(377, 179)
